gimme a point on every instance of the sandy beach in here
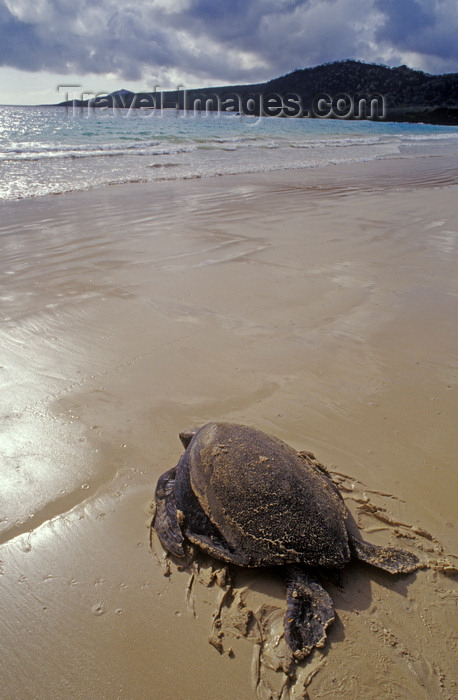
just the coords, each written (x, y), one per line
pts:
(317, 305)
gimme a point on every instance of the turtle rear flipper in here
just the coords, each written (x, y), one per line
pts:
(391, 559)
(309, 611)
(166, 520)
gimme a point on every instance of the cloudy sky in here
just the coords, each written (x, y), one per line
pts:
(103, 45)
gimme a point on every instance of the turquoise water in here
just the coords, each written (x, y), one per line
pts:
(45, 150)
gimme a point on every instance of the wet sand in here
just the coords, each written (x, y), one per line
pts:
(320, 306)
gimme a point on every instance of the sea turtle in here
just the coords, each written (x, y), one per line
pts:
(249, 499)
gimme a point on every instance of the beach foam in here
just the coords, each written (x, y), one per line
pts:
(45, 150)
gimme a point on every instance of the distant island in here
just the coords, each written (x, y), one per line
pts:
(344, 89)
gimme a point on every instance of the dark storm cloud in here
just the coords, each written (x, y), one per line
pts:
(52, 37)
(229, 40)
(425, 26)
(18, 41)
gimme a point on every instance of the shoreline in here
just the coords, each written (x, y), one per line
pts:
(316, 304)
(410, 167)
(136, 151)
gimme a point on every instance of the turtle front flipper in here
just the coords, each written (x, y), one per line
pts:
(309, 612)
(391, 559)
(166, 520)
(215, 545)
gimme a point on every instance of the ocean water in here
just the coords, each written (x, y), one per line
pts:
(51, 150)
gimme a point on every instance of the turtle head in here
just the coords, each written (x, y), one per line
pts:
(187, 435)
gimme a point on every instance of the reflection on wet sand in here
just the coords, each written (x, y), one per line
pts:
(324, 316)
